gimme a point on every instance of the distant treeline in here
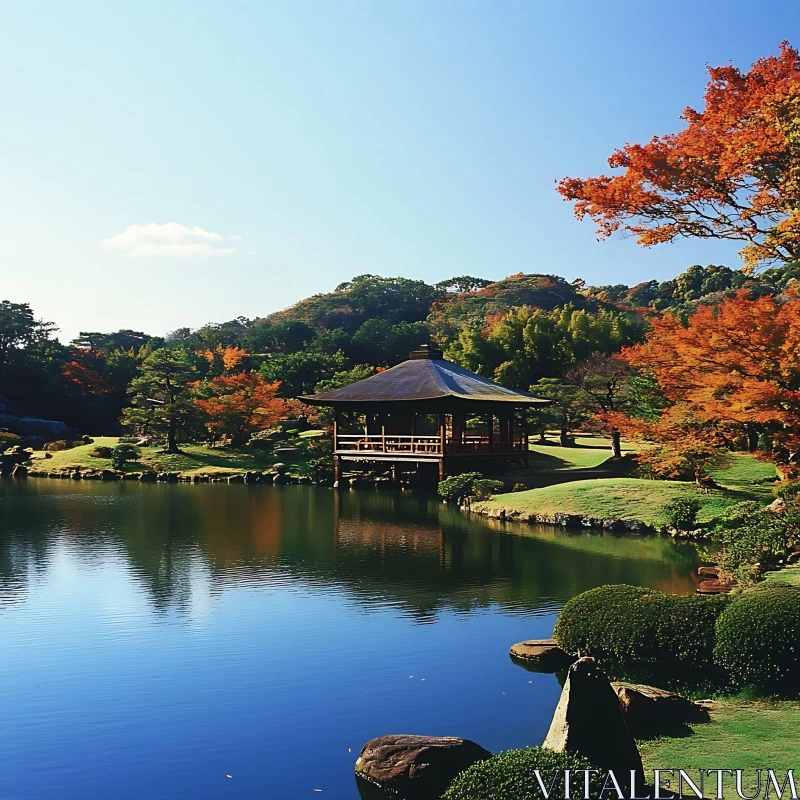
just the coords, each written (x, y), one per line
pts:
(520, 331)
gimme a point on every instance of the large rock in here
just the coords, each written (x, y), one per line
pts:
(36, 427)
(418, 767)
(589, 720)
(541, 655)
(651, 711)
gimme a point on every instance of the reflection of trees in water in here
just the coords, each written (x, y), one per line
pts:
(380, 548)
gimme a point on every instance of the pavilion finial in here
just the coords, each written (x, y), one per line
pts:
(426, 351)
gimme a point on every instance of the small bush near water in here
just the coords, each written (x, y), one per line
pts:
(758, 639)
(468, 484)
(510, 776)
(755, 539)
(644, 634)
(682, 513)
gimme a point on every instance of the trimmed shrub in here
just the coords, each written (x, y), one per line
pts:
(468, 484)
(128, 439)
(56, 446)
(758, 638)
(510, 776)
(457, 487)
(682, 513)
(8, 439)
(123, 453)
(484, 488)
(643, 633)
(102, 452)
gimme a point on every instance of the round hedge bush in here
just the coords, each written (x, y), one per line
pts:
(643, 633)
(758, 639)
(510, 776)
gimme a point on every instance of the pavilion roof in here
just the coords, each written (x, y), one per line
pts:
(425, 376)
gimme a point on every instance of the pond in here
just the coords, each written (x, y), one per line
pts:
(157, 639)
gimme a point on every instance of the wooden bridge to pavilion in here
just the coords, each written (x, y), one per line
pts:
(416, 414)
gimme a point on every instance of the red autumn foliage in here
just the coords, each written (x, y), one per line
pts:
(732, 173)
(239, 405)
(83, 369)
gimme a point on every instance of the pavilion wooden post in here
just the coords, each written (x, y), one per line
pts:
(490, 420)
(506, 431)
(442, 438)
(459, 425)
(336, 459)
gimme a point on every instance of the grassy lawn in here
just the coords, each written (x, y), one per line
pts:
(617, 498)
(588, 451)
(195, 458)
(741, 470)
(787, 575)
(742, 476)
(741, 735)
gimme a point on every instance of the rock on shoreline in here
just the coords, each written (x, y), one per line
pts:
(581, 522)
(416, 766)
(541, 655)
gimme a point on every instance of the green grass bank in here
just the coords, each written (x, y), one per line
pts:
(740, 476)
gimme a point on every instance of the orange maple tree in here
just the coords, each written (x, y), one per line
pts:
(732, 371)
(238, 405)
(732, 173)
(682, 446)
(223, 359)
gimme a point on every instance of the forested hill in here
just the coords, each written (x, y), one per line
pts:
(518, 330)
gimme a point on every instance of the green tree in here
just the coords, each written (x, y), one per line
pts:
(19, 329)
(571, 407)
(605, 381)
(300, 372)
(160, 395)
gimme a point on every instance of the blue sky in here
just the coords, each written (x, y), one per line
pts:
(299, 143)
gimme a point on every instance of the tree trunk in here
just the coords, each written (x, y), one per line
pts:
(564, 437)
(752, 439)
(616, 446)
(172, 444)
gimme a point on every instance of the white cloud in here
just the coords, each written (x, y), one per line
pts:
(170, 239)
(235, 236)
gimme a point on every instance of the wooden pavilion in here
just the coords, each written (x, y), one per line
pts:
(427, 412)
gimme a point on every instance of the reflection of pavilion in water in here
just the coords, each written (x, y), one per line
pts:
(381, 547)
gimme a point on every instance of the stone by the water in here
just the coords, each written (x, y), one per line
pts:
(416, 767)
(543, 655)
(589, 720)
(714, 586)
(650, 711)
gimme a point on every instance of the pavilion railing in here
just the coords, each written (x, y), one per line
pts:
(482, 444)
(379, 443)
(424, 444)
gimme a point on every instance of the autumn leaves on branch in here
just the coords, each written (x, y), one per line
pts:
(732, 173)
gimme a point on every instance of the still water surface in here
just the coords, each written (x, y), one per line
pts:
(156, 639)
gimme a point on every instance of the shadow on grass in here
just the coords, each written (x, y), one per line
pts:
(675, 730)
(547, 461)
